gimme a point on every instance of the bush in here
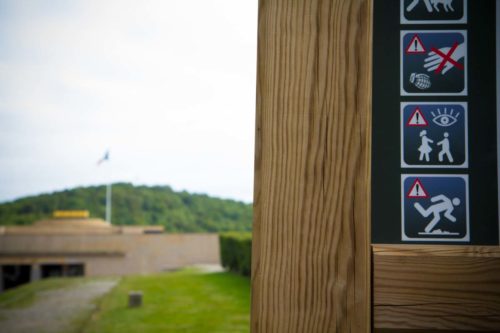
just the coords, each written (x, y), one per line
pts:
(236, 251)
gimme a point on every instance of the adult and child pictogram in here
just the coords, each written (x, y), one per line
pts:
(434, 135)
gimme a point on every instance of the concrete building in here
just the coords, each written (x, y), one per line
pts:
(71, 244)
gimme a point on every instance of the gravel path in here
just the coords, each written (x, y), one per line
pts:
(209, 268)
(55, 311)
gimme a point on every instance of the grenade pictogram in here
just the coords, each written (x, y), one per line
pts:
(421, 81)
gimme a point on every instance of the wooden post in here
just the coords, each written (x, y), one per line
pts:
(311, 246)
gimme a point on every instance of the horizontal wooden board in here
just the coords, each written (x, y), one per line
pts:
(436, 287)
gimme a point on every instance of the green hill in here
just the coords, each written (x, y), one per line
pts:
(137, 205)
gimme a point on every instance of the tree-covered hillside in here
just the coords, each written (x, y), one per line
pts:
(137, 205)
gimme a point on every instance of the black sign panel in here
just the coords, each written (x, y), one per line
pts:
(434, 147)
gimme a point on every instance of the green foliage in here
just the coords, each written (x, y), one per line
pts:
(184, 301)
(236, 251)
(137, 205)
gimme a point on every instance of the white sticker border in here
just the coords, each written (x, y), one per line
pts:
(404, 20)
(405, 93)
(466, 238)
(435, 166)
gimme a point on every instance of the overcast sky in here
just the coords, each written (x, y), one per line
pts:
(168, 86)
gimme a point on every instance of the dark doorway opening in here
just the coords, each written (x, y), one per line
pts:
(75, 270)
(15, 275)
(58, 270)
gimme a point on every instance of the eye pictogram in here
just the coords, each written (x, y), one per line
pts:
(445, 119)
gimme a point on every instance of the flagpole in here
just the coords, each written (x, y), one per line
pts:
(108, 203)
(108, 188)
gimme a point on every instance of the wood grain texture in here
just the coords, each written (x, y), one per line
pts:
(437, 287)
(311, 253)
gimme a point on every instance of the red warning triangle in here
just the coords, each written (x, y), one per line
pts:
(417, 119)
(415, 46)
(417, 190)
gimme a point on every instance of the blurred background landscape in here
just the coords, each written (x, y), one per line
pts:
(126, 165)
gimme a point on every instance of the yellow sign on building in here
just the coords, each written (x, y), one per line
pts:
(81, 214)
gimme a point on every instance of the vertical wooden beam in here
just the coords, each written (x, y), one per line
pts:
(311, 253)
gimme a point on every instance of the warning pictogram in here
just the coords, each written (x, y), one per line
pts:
(434, 134)
(417, 190)
(433, 11)
(433, 62)
(438, 213)
(415, 46)
(417, 119)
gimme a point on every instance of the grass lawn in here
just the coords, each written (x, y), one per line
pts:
(184, 301)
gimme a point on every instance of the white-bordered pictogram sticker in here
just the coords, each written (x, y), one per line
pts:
(433, 11)
(440, 216)
(433, 62)
(434, 135)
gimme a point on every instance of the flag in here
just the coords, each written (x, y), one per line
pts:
(104, 158)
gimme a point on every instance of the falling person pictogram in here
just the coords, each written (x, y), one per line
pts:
(442, 205)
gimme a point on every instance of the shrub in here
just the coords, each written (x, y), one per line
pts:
(236, 251)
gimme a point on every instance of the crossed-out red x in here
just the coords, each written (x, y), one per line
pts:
(447, 58)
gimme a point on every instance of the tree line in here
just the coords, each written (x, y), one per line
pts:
(136, 205)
